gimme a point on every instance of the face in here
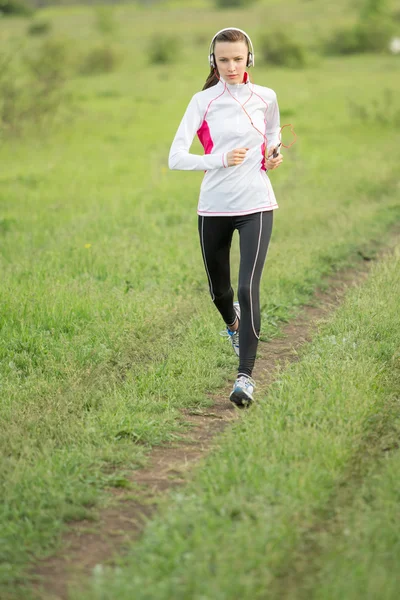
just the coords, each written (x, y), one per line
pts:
(231, 59)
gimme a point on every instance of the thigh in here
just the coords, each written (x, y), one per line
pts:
(255, 233)
(215, 240)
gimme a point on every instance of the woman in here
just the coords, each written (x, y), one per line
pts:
(237, 123)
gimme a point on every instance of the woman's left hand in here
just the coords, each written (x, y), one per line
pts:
(273, 163)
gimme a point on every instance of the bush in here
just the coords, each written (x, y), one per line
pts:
(39, 27)
(371, 34)
(105, 21)
(12, 100)
(282, 50)
(164, 49)
(374, 34)
(374, 8)
(343, 41)
(48, 69)
(101, 59)
(36, 89)
(15, 8)
(49, 65)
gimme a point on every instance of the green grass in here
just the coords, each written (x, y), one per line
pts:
(298, 500)
(107, 330)
(367, 538)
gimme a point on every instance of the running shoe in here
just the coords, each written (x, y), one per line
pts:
(242, 393)
(233, 335)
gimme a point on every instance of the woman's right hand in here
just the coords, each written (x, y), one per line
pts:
(236, 156)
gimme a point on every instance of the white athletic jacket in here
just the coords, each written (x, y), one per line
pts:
(217, 116)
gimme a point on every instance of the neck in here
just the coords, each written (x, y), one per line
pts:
(245, 79)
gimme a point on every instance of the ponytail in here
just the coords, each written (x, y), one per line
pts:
(211, 80)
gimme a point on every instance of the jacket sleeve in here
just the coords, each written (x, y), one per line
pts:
(273, 124)
(179, 156)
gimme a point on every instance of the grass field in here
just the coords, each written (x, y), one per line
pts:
(301, 499)
(107, 330)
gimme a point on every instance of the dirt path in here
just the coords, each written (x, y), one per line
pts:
(89, 543)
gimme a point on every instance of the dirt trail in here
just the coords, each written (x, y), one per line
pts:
(89, 543)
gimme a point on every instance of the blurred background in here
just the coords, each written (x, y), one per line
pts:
(51, 50)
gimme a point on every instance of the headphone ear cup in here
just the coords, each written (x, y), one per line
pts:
(211, 60)
(250, 60)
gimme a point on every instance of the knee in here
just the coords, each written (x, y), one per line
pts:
(244, 291)
(223, 295)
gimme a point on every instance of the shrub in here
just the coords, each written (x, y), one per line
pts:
(374, 34)
(163, 49)
(343, 41)
(36, 89)
(39, 27)
(48, 69)
(49, 64)
(371, 34)
(15, 8)
(374, 8)
(105, 21)
(12, 100)
(282, 50)
(101, 59)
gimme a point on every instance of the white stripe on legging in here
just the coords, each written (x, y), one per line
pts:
(251, 278)
(205, 260)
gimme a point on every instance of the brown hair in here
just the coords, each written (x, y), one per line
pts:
(230, 35)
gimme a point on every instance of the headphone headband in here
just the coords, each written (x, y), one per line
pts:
(211, 59)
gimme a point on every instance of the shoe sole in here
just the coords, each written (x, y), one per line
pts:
(240, 399)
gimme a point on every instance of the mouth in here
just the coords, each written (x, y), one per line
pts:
(232, 75)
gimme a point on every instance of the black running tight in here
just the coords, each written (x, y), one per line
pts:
(215, 239)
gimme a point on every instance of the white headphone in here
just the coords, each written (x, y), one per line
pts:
(250, 58)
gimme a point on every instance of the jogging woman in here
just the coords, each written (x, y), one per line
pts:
(237, 123)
